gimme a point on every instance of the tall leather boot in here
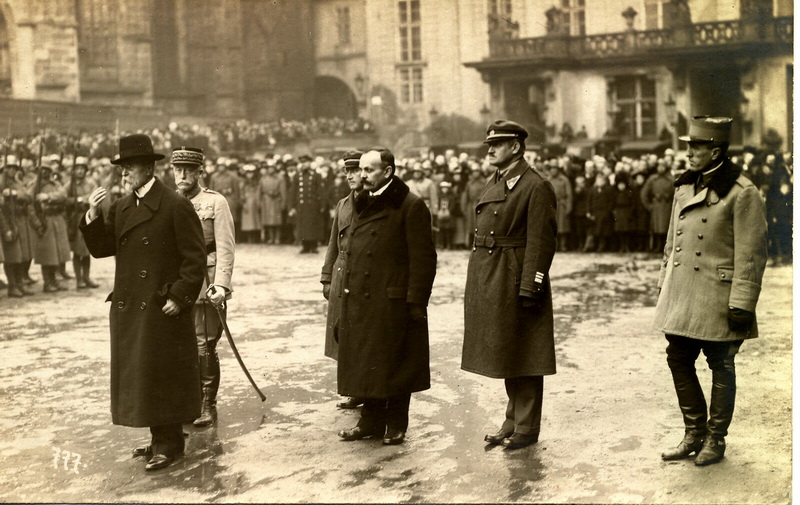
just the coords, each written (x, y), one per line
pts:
(86, 263)
(693, 407)
(13, 288)
(209, 377)
(19, 278)
(80, 283)
(723, 399)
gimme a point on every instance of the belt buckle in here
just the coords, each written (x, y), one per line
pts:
(490, 242)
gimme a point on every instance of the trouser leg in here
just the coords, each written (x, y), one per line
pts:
(167, 439)
(77, 267)
(682, 353)
(397, 412)
(373, 415)
(525, 395)
(720, 357)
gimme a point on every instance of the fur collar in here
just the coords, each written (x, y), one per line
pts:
(721, 181)
(393, 197)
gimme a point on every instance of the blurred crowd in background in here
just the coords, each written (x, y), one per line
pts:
(605, 204)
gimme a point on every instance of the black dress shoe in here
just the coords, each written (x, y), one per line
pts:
(520, 440)
(394, 437)
(350, 403)
(497, 438)
(358, 433)
(159, 461)
(712, 452)
(146, 451)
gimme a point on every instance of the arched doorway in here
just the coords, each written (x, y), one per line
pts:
(333, 98)
(5, 56)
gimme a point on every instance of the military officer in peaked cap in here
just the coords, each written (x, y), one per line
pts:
(218, 231)
(508, 309)
(710, 280)
(161, 260)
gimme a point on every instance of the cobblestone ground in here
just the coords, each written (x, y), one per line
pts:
(608, 413)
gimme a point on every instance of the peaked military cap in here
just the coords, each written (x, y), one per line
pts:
(709, 129)
(187, 156)
(351, 158)
(503, 129)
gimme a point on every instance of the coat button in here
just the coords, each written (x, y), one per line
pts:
(678, 249)
(696, 269)
(124, 240)
(678, 232)
(476, 230)
(490, 251)
(700, 236)
(491, 232)
(372, 232)
(683, 216)
(339, 269)
(474, 248)
(722, 276)
(366, 295)
(478, 211)
(143, 274)
(145, 241)
(143, 305)
(366, 274)
(705, 220)
(676, 264)
(697, 253)
(708, 204)
(121, 305)
(346, 291)
(369, 253)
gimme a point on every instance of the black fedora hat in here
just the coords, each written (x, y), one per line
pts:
(136, 146)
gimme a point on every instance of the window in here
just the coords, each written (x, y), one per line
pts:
(501, 24)
(574, 16)
(656, 13)
(343, 25)
(410, 34)
(411, 85)
(634, 100)
(98, 20)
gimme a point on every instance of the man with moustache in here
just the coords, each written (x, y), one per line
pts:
(710, 281)
(508, 308)
(160, 266)
(389, 267)
(333, 268)
(218, 232)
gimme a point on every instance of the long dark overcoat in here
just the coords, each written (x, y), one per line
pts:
(515, 243)
(307, 198)
(714, 258)
(160, 253)
(333, 270)
(390, 262)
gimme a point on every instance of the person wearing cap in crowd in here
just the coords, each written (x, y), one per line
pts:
(423, 187)
(218, 232)
(709, 284)
(508, 307)
(306, 204)
(18, 239)
(335, 257)
(445, 215)
(56, 163)
(78, 190)
(389, 268)
(228, 183)
(51, 249)
(250, 224)
(656, 195)
(157, 240)
(273, 203)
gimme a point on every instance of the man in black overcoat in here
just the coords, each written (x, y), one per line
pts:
(157, 239)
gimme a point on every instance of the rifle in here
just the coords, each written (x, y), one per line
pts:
(9, 201)
(40, 224)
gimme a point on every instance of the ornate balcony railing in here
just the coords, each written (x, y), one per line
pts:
(773, 30)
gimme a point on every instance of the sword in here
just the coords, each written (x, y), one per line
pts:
(221, 315)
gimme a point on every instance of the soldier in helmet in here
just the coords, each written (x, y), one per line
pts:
(17, 240)
(78, 191)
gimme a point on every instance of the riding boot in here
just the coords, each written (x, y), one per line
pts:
(76, 267)
(723, 399)
(13, 288)
(19, 279)
(693, 406)
(209, 377)
(86, 263)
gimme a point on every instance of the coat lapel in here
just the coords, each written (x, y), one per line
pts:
(496, 191)
(346, 212)
(144, 211)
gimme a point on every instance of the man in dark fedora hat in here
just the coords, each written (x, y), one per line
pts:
(160, 261)
(508, 307)
(710, 280)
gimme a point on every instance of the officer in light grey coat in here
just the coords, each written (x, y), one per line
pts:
(709, 285)
(218, 234)
(508, 308)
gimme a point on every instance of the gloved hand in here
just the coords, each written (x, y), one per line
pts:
(417, 312)
(215, 294)
(532, 301)
(326, 290)
(740, 319)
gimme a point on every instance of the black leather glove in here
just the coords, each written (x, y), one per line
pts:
(326, 290)
(532, 301)
(740, 319)
(417, 312)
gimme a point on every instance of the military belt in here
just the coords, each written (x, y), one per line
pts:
(491, 241)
